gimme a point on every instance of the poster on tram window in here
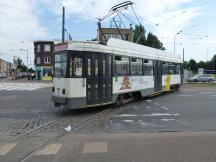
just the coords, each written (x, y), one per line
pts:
(127, 83)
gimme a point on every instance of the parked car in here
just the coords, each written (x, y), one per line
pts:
(202, 78)
(2, 75)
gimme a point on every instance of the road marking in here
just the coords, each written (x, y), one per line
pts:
(207, 92)
(136, 107)
(164, 107)
(4, 149)
(213, 95)
(185, 95)
(147, 115)
(148, 107)
(50, 149)
(128, 121)
(24, 86)
(157, 104)
(95, 147)
(148, 100)
(167, 120)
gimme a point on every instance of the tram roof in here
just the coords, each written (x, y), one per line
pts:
(125, 48)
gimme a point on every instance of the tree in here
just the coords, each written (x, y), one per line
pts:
(139, 35)
(20, 65)
(192, 65)
(153, 41)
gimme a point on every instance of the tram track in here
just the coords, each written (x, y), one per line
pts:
(73, 128)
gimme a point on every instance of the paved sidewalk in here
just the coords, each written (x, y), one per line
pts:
(141, 147)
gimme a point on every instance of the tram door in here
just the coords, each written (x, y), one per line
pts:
(99, 79)
(158, 67)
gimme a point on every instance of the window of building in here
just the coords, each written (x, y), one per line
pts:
(38, 60)
(166, 69)
(76, 67)
(148, 67)
(47, 71)
(121, 65)
(136, 66)
(38, 48)
(47, 47)
(47, 60)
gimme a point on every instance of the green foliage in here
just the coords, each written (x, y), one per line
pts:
(154, 42)
(20, 65)
(208, 65)
(139, 35)
(151, 40)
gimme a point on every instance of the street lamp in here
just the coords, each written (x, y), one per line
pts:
(27, 55)
(175, 38)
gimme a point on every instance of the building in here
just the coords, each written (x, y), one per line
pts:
(126, 34)
(44, 59)
(5, 67)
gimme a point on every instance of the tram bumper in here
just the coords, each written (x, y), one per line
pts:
(71, 103)
(58, 100)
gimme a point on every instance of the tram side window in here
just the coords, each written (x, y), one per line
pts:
(60, 66)
(76, 68)
(172, 68)
(166, 69)
(136, 66)
(177, 69)
(121, 65)
(148, 67)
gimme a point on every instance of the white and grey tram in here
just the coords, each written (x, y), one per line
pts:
(88, 74)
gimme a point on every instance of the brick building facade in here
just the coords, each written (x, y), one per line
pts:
(44, 59)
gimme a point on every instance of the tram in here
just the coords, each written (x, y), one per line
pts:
(89, 74)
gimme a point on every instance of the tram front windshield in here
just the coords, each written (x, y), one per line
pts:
(60, 67)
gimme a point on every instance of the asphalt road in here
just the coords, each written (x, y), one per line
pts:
(185, 110)
(131, 132)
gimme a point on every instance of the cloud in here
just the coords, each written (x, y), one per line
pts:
(18, 23)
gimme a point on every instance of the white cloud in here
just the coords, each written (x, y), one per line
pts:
(18, 23)
(170, 16)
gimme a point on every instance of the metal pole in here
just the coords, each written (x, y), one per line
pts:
(27, 59)
(174, 41)
(63, 24)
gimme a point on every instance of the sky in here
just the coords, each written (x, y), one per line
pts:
(24, 21)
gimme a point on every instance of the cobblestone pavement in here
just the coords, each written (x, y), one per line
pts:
(21, 111)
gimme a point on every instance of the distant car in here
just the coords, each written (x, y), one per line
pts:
(2, 75)
(202, 78)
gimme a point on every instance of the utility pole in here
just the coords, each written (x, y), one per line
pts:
(183, 57)
(63, 24)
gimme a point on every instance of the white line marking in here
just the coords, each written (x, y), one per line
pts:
(95, 147)
(136, 107)
(154, 114)
(185, 95)
(213, 95)
(128, 121)
(207, 92)
(50, 149)
(167, 120)
(4, 149)
(164, 107)
(156, 103)
(148, 100)
(148, 107)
